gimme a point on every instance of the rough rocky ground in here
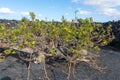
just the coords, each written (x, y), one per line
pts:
(14, 69)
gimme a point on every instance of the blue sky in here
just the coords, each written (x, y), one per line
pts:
(100, 10)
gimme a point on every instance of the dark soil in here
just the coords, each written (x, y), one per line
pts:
(104, 65)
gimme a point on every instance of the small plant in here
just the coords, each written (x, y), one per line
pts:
(52, 51)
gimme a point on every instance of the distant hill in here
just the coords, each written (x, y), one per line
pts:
(10, 23)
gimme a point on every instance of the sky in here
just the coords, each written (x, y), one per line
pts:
(99, 10)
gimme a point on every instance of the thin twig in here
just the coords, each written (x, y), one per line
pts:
(69, 70)
(28, 77)
(46, 74)
(74, 64)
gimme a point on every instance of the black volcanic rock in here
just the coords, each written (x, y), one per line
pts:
(14, 69)
(116, 31)
(9, 23)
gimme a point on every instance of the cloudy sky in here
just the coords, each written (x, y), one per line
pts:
(100, 10)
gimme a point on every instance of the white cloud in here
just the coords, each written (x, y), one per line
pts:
(112, 12)
(105, 7)
(66, 14)
(6, 11)
(75, 1)
(103, 3)
(40, 15)
(25, 13)
(83, 12)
